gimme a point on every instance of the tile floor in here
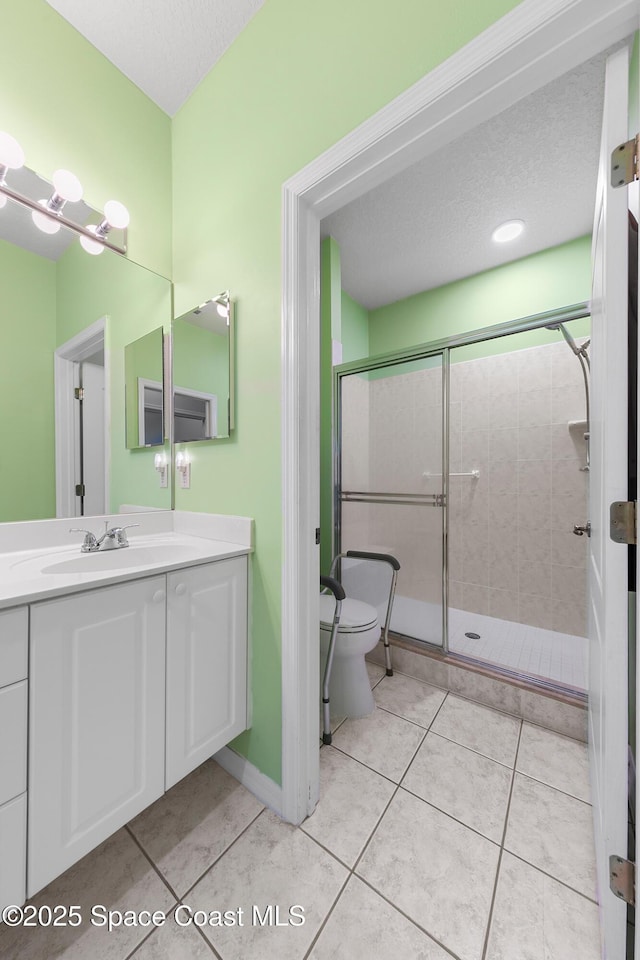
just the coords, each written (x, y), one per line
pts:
(445, 830)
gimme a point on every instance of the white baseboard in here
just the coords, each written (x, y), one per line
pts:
(261, 786)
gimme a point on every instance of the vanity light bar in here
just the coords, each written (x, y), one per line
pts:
(116, 214)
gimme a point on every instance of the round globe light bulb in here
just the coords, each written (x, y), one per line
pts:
(223, 309)
(116, 214)
(508, 231)
(11, 153)
(91, 246)
(43, 222)
(67, 185)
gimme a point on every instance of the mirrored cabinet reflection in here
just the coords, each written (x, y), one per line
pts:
(203, 364)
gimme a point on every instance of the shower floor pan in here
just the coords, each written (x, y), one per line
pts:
(532, 651)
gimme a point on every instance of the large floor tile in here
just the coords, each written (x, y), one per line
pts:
(438, 872)
(482, 729)
(272, 863)
(117, 875)
(362, 924)
(384, 742)
(193, 823)
(554, 759)
(352, 799)
(466, 785)
(553, 832)
(376, 672)
(171, 942)
(537, 918)
(412, 699)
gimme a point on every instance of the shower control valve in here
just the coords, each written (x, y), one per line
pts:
(580, 531)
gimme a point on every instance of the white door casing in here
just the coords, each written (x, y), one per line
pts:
(93, 438)
(533, 44)
(608, 613)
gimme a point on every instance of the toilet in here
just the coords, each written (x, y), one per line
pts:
(358, 633)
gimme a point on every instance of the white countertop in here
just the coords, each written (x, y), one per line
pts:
(27, 576)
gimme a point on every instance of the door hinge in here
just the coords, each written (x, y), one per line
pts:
(622, 879)
(625, 163)
(80, 490)
(79, 393)
(622, 521)
(317, 535)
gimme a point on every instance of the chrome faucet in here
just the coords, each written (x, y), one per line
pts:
(113, 538)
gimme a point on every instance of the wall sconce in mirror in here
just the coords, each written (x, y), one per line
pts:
(203, 371)
(144, 393)
(48, 204)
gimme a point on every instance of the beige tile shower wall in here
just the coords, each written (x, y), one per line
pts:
(512, 553)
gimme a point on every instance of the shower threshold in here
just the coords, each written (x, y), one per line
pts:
(518, 650)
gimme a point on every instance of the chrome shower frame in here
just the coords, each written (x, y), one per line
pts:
(553, 319)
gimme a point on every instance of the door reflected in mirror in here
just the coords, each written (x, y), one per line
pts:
(67, 317)
(144, 378)
(203, 372)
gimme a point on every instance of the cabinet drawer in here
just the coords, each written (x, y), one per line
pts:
(13, 740)
(14, 627)
(13, 846)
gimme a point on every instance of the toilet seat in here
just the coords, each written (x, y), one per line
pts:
(355, 616)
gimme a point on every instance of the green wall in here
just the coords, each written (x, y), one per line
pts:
(69, 106)
(27, 342)
(354, 327)
(201, 362)
(553, 278)
(273, 103)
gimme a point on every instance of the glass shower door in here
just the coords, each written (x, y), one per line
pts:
(390, 488)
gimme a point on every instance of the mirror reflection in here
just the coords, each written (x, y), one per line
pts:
(203, 371)
(66, 318)
(144, 391)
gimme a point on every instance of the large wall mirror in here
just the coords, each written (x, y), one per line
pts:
(203, 371)
(67, 317)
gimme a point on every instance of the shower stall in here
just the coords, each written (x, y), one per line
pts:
(468, 460)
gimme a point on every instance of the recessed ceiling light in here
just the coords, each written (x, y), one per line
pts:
(508, 231)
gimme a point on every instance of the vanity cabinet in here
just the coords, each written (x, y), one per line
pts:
(206, 662)
(13, 753)
(130, 687)
(97, 690)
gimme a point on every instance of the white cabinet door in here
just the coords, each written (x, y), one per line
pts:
(97, 684)
(206, 662)
(13, 844)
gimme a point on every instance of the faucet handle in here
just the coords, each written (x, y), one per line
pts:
(90, 542)
(121, 536)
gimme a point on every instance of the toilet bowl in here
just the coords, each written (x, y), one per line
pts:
(358, 633)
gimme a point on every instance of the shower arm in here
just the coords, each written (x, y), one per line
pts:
(585, 363)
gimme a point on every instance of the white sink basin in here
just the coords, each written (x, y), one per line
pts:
(122, 559)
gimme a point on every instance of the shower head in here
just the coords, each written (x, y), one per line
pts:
(579, 351)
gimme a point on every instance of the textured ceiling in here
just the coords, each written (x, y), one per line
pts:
(432, 223)
(165, 47)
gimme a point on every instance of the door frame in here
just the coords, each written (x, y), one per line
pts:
(75, 350)
(533, 44)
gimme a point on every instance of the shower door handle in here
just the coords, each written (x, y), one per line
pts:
(580, 531)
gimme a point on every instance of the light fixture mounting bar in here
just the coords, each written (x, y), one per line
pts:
(61, 219)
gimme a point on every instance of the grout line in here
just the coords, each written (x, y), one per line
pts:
(414, 723)
(414, 923)
(326, 919)
(450, 816)
(137, 947)
(499, 864)
(465, 746)
(221, 855)
(363, 764)
(562, 883)
(552, 786)
(155, 867)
